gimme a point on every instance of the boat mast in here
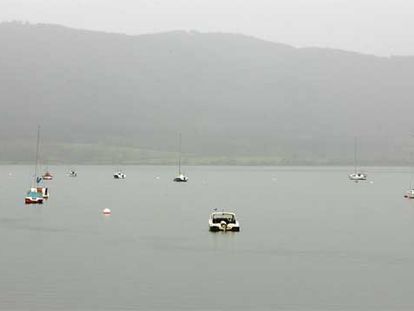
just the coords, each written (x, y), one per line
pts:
(37, 155)
(355, 154)
(179, 154)
(411, 170)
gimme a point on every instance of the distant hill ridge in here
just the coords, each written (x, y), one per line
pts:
(232, 97)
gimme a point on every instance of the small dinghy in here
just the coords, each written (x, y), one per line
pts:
(47, 176)
(119, 175)
(223, 221)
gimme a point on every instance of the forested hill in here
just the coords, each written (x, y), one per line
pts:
(231, 96)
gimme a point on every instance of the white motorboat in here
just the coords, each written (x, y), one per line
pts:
(119, 175)
(72, 173)
(223, 221)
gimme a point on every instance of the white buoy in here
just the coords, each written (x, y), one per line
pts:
(107, 211)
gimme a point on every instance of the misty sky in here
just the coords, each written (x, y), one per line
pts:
(381, 27)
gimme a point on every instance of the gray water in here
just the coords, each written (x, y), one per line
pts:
(310, 240)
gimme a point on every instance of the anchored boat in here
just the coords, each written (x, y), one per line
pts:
(181, 177)
(223, 221)
(33, 197)
(47, 176)
(356, 175)
(72, 173)
(409, 194)
(37, 193)
(119, 175)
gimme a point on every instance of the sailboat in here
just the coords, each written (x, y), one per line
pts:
(356, 175)
(119, 174)
(37, 194)
(410, 193)
(181, 177)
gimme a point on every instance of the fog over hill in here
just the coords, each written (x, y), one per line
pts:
(103, 97)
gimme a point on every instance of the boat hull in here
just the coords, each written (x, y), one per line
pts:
(218, 228)
(180, 180)
(358, 177)
(119, 177)
(29, 200)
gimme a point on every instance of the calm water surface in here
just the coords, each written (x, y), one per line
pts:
(310, 240)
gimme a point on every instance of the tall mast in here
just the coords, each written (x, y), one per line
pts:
(37, 154)
(179, 154)
(411, 170)
(355, 154)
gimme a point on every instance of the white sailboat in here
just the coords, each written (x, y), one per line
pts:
(356, 175)
(37, 193)
(181, 176)
(119, 174)
(409, 194)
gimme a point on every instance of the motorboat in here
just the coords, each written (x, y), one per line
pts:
(119, 175)
(72, 173)
(223, 221)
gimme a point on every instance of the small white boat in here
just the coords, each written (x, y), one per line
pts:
(119, 175)
(409, 194)
(181, 178)
(72, 173)
(47, 176)
(37, 194)
(358, 176)
(223, 221)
